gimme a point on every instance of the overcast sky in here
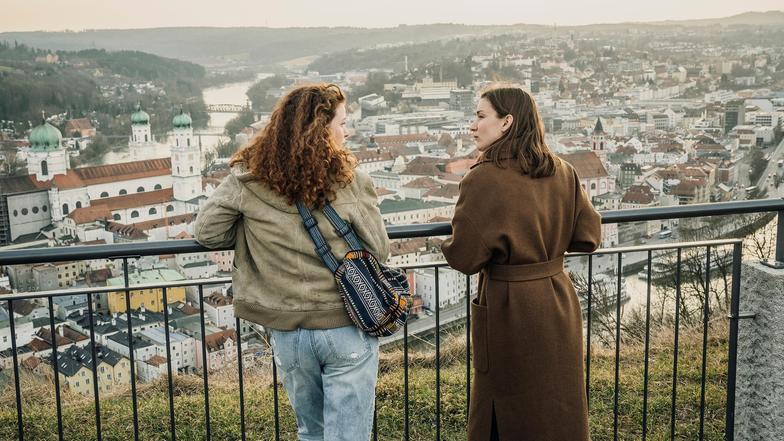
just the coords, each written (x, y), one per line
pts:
(28, 15)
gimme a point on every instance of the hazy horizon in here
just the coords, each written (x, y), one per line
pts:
(44, 15)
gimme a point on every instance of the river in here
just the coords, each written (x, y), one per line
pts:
(232, 93)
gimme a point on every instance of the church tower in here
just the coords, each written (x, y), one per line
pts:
(47, 157)
(599, 141)
(141, 144)
(185, 160)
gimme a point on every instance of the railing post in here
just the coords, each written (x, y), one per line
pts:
(780, 238)
(732, 359)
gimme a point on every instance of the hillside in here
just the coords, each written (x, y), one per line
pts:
(97, 84)
(259, 46)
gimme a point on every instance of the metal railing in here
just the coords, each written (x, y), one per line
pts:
(135, 250)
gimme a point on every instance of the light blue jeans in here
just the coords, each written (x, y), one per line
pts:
(330, 378)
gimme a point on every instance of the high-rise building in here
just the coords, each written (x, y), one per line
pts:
(734, 114)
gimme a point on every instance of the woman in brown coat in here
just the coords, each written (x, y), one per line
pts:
(520, 209)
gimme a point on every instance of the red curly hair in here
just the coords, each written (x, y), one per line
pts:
(295, 154)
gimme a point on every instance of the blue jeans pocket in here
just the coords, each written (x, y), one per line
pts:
(285, 345)
(349, 344)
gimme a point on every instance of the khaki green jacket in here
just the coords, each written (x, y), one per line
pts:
(278, 280)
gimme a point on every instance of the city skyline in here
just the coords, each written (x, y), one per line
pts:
(37, 15)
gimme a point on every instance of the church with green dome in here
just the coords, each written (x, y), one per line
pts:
(160, 188)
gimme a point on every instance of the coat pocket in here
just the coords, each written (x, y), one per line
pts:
(479, 336)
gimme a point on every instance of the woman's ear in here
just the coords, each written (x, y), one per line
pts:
(508, 120)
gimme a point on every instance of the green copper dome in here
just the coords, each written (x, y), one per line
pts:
(182, 120)
(45, 137)
(140, 116)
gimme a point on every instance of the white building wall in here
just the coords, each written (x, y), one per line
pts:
(131, 186)
(452, 287)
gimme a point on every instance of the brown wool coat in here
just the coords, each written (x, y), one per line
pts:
(526, 323)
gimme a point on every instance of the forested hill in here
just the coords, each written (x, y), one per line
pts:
(96, 83)
(251, 46)
(259, 46)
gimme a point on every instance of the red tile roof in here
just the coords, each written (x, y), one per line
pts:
(101, 174)
(171, 220)
(216, 340)
(587, 164)
(135, 200)
(156, 360)
(424, 182)
(638, 194)
(88, 214)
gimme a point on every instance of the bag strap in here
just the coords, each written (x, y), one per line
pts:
(342, 228)
(322, 247)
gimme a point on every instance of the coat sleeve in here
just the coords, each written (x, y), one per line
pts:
(216, 223)
(370, 228)
(587, 233)
(466, 251)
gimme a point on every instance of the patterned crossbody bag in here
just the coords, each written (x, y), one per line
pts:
(376, 296)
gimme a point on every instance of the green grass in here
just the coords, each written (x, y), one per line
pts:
(40, 422)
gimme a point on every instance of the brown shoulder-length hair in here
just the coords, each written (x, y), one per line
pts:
(524, 140)
(295, 154)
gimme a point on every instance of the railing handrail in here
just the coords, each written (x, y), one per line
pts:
(184, 246)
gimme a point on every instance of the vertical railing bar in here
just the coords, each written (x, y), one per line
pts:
(55, 368)
(375, 423)
(647, 349)
(732, 359)
(205, 370)
(780, 237)
(275, 397)
(588, 334)
(616, 390)
(18, 394)
(438, 358)
(96, 389)
(468, 343)
(406, 429)
(134, 404)
(241, 381)
(675, 351)
(705, 313)
(172, 420)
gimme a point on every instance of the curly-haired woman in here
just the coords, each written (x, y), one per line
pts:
(329, 366)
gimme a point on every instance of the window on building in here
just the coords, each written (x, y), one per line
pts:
(158, 186)
(24, 212)
(65, 209)
(123, 192)
(104, 194)
(153, 211)
(145, 138)
(169, 208)
(35, 210)
(16, 213)
(593, 186)
(45, 208)
(116, 217)
(134, 214)
(140, 190)
(78, 204)
(44, 168)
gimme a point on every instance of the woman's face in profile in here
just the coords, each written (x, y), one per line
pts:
(487, 126)
(337, 127)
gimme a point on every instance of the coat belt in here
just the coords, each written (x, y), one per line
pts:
(528, 271)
